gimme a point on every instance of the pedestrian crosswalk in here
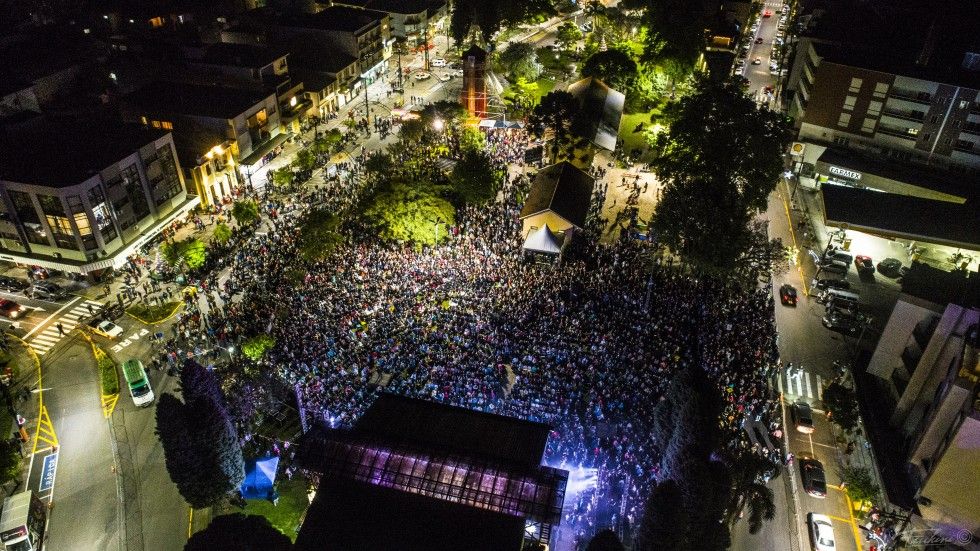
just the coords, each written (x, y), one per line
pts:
(800, 383)
(52, 334)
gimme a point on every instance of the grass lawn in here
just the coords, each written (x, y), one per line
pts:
(635, 140)
(292, 504)
(545, 85)
(152, 313)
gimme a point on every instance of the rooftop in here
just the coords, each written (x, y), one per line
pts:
(904, 217)
(920, 177)
(397, 419)
(602, 111)
(240, 55)
(195, 100)
(40, 155)
(313, 55)
(354, 516)
(336, 18)
(563, 189)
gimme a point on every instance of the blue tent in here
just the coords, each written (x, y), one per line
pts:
(260, 474)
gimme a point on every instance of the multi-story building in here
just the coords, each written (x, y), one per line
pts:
(85, 206)
(254, 67)
(411, 20)
(928, 358)
(905, 112)
(329, 77)
(362, 34)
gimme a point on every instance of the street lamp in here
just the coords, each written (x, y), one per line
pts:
(438, 125)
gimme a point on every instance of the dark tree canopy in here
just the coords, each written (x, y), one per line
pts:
(519, 60)
(664, 523)
(556, 117)
(200, 445)
(474, 179)
(605, 540)
(841, 404)
(239, 532)
(490, 17)
(675, 30)
(615, 67)
(719, 162)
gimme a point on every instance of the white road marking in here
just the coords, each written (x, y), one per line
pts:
(47, 319)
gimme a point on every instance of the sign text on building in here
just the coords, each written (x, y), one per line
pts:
(845, 173)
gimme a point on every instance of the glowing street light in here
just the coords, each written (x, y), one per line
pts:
(438, 125)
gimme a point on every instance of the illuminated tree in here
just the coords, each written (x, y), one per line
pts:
(410, 212)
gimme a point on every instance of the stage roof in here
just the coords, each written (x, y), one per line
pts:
(352, 516)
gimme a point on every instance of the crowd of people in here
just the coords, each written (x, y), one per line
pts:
(587, 345)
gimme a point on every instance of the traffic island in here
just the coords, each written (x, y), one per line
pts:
(153, 314)
(108, 378)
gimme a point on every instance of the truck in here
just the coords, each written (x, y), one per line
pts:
(138, 383)
(22, 522)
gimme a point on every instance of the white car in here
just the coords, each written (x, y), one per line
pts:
(445, 77)
(109, 329)
(821, 532)
(438, 62)
(421, 75)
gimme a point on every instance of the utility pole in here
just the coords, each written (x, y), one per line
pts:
(367, 107)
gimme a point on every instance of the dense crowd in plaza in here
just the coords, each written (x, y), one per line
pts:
(587, 346)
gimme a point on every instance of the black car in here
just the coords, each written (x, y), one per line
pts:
(46, 290)
(814, 481)
(842, 322)
(890, 267)
(12, 284)
(787, 295)
(828, 283)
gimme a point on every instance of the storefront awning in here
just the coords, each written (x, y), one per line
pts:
(256, 156)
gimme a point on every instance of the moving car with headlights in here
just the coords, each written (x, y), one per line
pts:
(803, 417)
(10, 309)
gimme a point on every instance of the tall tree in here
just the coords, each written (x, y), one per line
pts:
(201, 448)
(842, 406)
(675, 30)
(718, 162)
(475, 179)
(519, 60)
(555, 117)
(241, 533)
(410, 212)
(605, 540)
(664, 523)
(615, 67)
(245, 212)
(184, 461)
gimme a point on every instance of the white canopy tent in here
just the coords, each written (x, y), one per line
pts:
(542, 241)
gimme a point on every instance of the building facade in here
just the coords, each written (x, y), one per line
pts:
(88, 209)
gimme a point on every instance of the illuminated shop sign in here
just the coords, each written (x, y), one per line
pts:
(844, 173)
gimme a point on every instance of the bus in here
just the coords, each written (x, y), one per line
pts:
(138, 383)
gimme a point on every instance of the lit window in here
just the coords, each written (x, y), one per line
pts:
(881, 88)
(856, 84)
(874, 108)
(912, 131)
(845, 119)
(868, 125)
(167, 125)
(155, 124)
(849, 102)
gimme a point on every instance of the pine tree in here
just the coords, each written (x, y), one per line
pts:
(183, 459)
(664, 523)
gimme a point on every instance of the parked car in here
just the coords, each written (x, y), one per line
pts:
(822, 532)
(787, 295)
(757, 61)
(842, 322)
(105, 328)
(445, 77)
(767, 13)
(834, 267)
(863, 264)
(812, 475)
(13, 284)
(421, 75)
(758, 40)
(828, 283)
(46, 290)
(438, 62)
(802, 417)
(890, 267)
(10, 309)
(837, 254)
